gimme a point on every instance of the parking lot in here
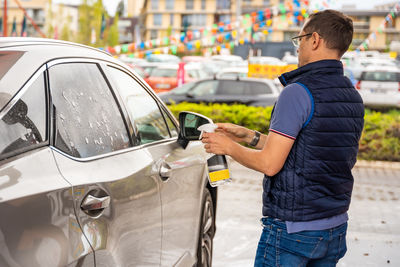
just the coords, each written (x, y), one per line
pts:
(373, 237)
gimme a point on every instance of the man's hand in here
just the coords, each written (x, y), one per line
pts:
(235, 132)
(217, 143)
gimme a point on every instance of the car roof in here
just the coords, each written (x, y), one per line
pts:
(381, 69)
(234, 69)
(23, 56)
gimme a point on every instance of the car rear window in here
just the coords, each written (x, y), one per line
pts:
(381, 76)
(7, 60)
(164, 73)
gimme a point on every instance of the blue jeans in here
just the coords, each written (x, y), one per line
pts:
(306, 248)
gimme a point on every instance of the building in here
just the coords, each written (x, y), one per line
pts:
(127, 29)
(367, 22)
(134, 7)
(162, 18)
(34, 8)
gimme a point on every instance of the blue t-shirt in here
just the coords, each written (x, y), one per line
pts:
(292, 112)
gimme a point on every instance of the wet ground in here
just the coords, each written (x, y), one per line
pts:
(373, 237)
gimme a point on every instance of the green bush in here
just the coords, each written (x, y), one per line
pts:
(380, 138)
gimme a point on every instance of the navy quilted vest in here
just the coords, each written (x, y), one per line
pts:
(316, 181)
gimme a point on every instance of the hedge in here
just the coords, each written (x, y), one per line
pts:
(380, 139)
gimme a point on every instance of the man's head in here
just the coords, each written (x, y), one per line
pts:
(328, 36)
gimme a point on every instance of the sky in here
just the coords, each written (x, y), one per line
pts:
(111, 5)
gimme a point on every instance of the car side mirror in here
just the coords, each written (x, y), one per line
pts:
(188, 123)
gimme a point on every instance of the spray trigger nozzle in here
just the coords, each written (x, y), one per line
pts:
(208, 128)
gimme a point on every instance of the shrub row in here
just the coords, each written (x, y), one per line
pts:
(380, 138)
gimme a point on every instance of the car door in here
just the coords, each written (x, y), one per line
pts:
(38, 226)
(180, 171)
(116, 194)
(232, 91)
(259, 93)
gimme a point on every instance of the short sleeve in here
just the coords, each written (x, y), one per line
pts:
(291, 112)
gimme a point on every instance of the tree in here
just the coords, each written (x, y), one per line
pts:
(120, 9)
(84, 21)
(113, 37)
(49, 20)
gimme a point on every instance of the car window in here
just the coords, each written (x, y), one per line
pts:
(164, 73)
(228, 87)
(172, 128)
(257, 88)
(88, 120)
(7, 61)
(142, 108)
(183, 89)
(24, 125)
(381, 76)
(205, 88)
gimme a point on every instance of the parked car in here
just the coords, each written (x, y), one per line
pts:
(164, 78)
(248, 91)
(233, 72)
(92, 170)
(380, 86)
(165, 58)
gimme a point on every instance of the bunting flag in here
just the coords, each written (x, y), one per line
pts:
(23, 27)
(14, 28)
(225, 34)
(102, 26)
(372, 36)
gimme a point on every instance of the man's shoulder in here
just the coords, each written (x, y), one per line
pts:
(294, 91)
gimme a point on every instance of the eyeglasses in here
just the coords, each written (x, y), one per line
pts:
(296, 40)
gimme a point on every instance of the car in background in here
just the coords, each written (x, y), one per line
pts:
(191, 59)
(359, 64)
(233, 72)
(164, 58)
(94, 168)
(380, 86)
(165, 78)
(247, 91)
(349, 74)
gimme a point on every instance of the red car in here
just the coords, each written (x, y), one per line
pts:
(164, 78)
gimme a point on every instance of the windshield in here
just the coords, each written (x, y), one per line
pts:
(164, 73)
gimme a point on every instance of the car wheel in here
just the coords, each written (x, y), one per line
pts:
(207, 231)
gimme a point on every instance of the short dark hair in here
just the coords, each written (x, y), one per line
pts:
(334, 27)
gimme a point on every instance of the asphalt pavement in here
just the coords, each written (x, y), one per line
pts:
(373, 237)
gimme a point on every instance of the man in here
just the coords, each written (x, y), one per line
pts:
(309, 152)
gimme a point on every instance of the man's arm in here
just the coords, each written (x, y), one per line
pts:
(240, 134)
(269, 160)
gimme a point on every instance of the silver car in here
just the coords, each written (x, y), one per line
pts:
(94, 169)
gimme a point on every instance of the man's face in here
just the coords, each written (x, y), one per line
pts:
(304, 48)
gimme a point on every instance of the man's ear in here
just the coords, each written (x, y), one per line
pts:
(316, 40)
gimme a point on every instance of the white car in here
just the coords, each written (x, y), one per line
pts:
(380, 86)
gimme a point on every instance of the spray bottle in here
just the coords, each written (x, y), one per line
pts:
(218, 172)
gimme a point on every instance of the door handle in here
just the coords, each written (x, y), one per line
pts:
(92, 203)
(165, 171)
